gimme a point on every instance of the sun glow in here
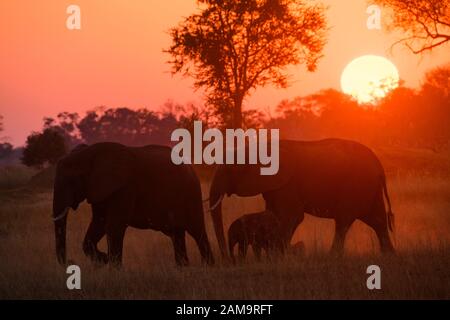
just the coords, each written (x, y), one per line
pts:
(369, 78)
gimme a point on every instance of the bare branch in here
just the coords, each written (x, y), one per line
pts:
(424, 21)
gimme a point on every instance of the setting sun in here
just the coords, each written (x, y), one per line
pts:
(369, 78)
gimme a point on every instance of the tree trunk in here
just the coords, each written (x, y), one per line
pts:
(237, 113)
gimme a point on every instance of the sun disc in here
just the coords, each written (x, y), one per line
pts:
(369, 78)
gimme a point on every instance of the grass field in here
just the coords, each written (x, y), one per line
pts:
(419, 270)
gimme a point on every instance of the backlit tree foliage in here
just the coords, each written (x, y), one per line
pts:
(232, 47)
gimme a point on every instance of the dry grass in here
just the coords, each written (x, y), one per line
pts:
(15, 176)
(28, 267)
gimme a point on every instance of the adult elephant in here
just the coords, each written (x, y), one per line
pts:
(333, 178)
(138, 187)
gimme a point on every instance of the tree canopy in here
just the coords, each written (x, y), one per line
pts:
(231, 47)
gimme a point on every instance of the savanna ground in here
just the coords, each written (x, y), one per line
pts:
(419, 185)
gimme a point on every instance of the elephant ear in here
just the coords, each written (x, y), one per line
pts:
(110, 171)
(248, 180)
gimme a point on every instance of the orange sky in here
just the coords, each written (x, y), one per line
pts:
(116, 58)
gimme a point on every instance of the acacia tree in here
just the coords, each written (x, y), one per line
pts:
(231, 47)
(425, 23)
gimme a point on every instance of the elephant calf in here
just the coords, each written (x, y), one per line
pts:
(261, 230)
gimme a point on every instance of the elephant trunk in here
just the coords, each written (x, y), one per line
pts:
(215, 204)
(61, 206)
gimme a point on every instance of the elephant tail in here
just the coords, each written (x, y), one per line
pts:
(390, 214)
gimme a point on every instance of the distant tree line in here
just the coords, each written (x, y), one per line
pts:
(122, 125)
(406, 117)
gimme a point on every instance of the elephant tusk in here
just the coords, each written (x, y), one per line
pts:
(214, 206)
(62, 215)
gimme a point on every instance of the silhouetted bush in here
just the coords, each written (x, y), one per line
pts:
(44, 148)
(5, 149)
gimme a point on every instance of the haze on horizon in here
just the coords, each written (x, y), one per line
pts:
(116, 59)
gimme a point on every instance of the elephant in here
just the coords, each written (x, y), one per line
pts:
(260, 230)
(126, 186)
(331, 178)
(297, 248)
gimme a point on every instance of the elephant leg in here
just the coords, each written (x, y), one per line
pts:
(257, 251)
(341, 229)
(201, 239)
(179, 246)
(289, 226)
(278, 244)
(95, 232)
(116, 214)
(243, 246)
(289, 211)
(233, 259)
(382, 233)
(385, 241)
(377, 220)
(115, 245)
(271, 253)
(115, 232)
